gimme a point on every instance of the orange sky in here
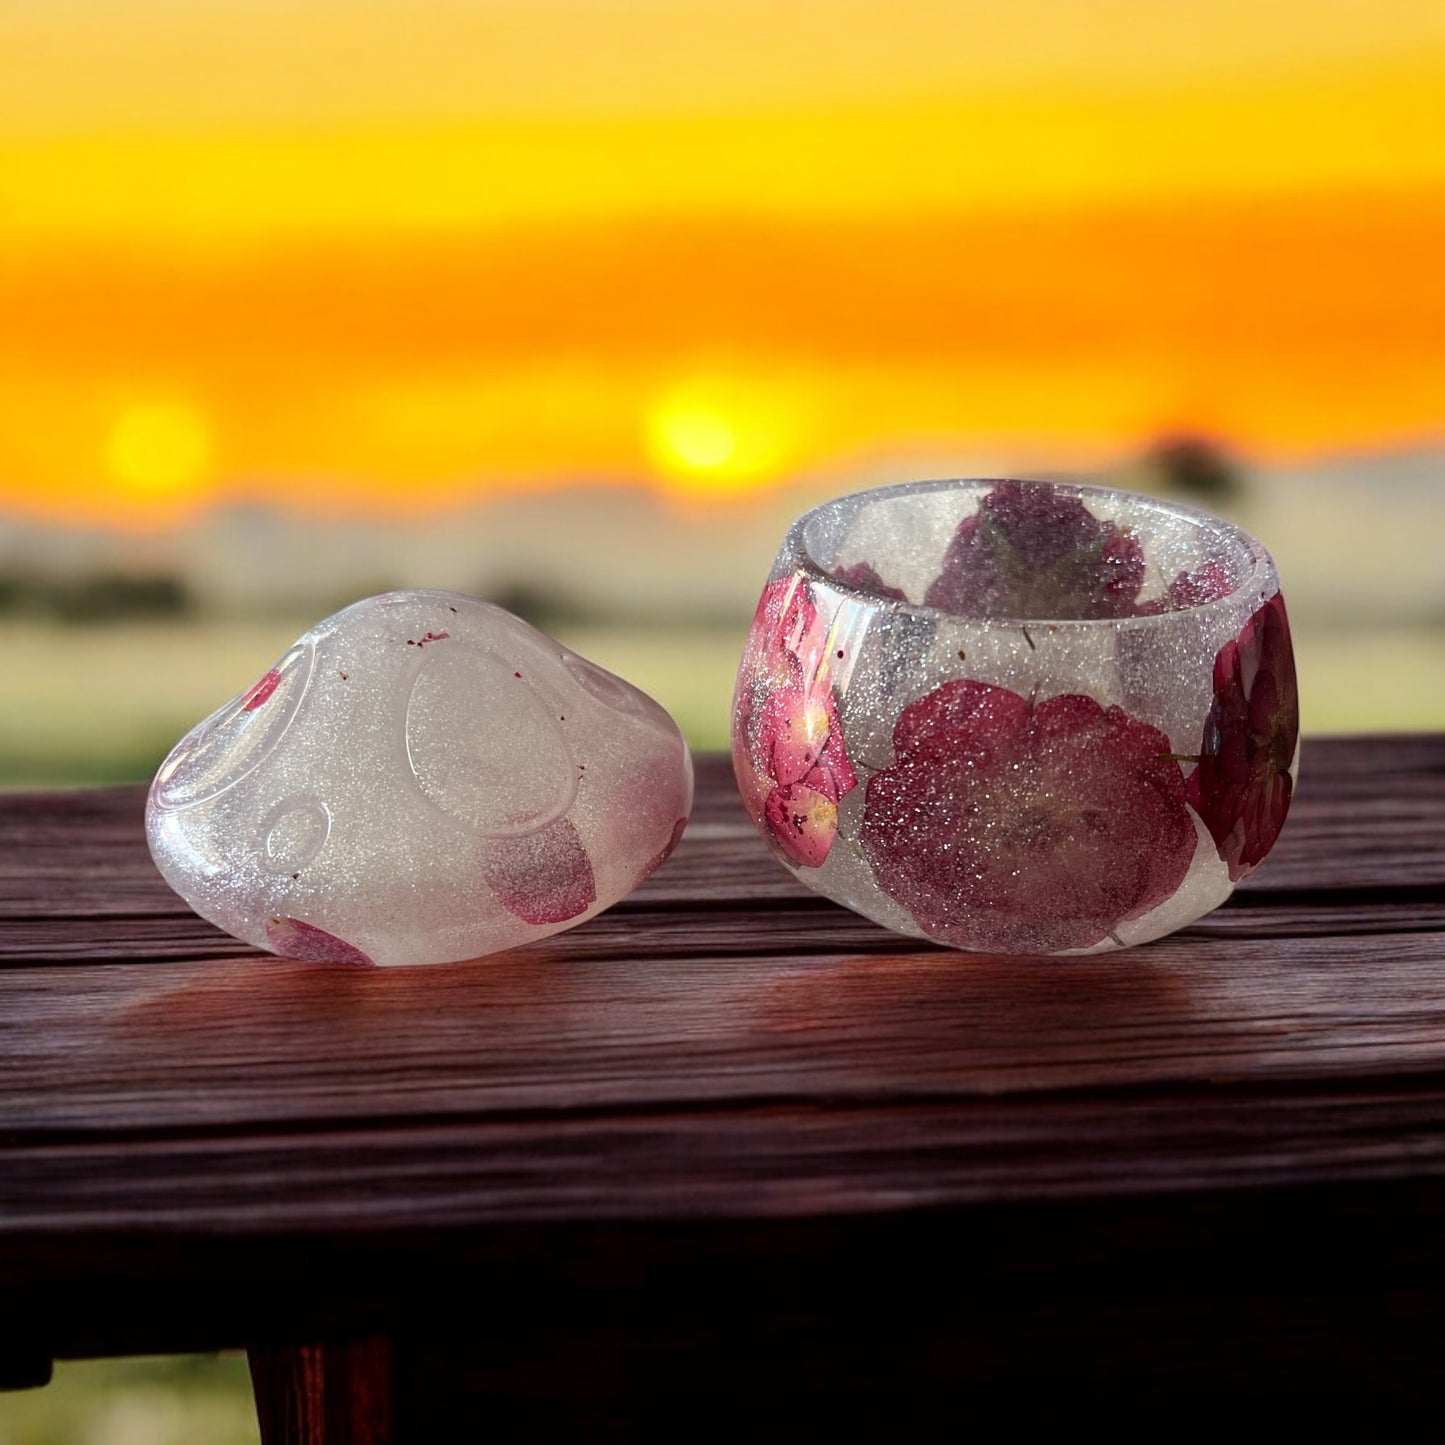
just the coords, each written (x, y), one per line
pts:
(376, 254)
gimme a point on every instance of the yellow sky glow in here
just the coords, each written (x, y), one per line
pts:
(374, 253)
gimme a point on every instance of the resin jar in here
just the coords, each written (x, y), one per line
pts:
(1018, 717)
(422, 778)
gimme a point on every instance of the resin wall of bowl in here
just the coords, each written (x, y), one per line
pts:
(1018, 717)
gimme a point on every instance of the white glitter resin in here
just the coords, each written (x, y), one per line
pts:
(422, 778)
(1082, 739)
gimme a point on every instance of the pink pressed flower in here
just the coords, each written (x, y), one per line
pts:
(1031, 551)
(1026, 828)
(785, 627)
(292, 938)
(1205, 584)
(543, 877)
(802, 820)
(790, 738)
(798, 733)
(1242, 786)
(260, 690)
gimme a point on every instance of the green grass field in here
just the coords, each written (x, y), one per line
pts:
(173, 1400)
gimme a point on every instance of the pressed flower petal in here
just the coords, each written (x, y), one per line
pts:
(293, 938)
(1026, 829)
(261, 690)
(793, 729)
(542, 877)
(1242, 787)
(865, 577)
(1031, 551)
(962, 714)
(802, 821)
(665, 852)
(789, 756)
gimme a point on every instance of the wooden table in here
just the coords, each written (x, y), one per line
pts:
(732, 1163)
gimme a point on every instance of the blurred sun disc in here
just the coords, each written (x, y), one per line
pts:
(159, 452)
(694, 438)
(714, 435)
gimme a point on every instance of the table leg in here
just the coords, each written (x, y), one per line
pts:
(334, 1394)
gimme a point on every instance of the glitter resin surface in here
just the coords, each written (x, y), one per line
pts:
(1018, 717)
(421, 778)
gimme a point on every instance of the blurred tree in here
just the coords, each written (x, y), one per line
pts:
(96, 597)
(1196, 469)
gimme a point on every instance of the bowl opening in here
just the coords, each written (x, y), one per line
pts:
(1005, 549)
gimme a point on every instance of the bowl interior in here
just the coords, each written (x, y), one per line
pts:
(1004, 549)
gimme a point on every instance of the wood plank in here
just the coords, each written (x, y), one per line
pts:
(797, 926)
(339, 1395)
(720, 1163)
(256, 1039)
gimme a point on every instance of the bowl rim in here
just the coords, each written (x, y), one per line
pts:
(794, 556)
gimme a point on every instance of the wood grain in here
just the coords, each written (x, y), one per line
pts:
(730, 1100)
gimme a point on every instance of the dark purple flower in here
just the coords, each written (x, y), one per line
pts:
(1031, 551)
(1207, 583)
(865, 577)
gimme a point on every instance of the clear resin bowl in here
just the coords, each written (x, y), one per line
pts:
(1018, 717)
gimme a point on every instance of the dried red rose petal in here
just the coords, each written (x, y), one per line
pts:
(293, 938)
(261, 690)
(665, 852)
(1207, 583)
(1031, 551)
(1242, 786)
(785, 627)
(798, 733)
(865, 577)
(542, 877)
(1026, 828)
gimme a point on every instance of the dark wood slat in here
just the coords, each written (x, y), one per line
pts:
(799, 926)
(259, 1039)
(723, 1163)
(1327, 1294)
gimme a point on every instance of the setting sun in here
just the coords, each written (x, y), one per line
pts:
(718, 436)
(159, 452)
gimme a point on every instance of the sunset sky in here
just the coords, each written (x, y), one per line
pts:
(392, 254)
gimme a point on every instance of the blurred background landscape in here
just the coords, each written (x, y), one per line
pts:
(575, 304)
